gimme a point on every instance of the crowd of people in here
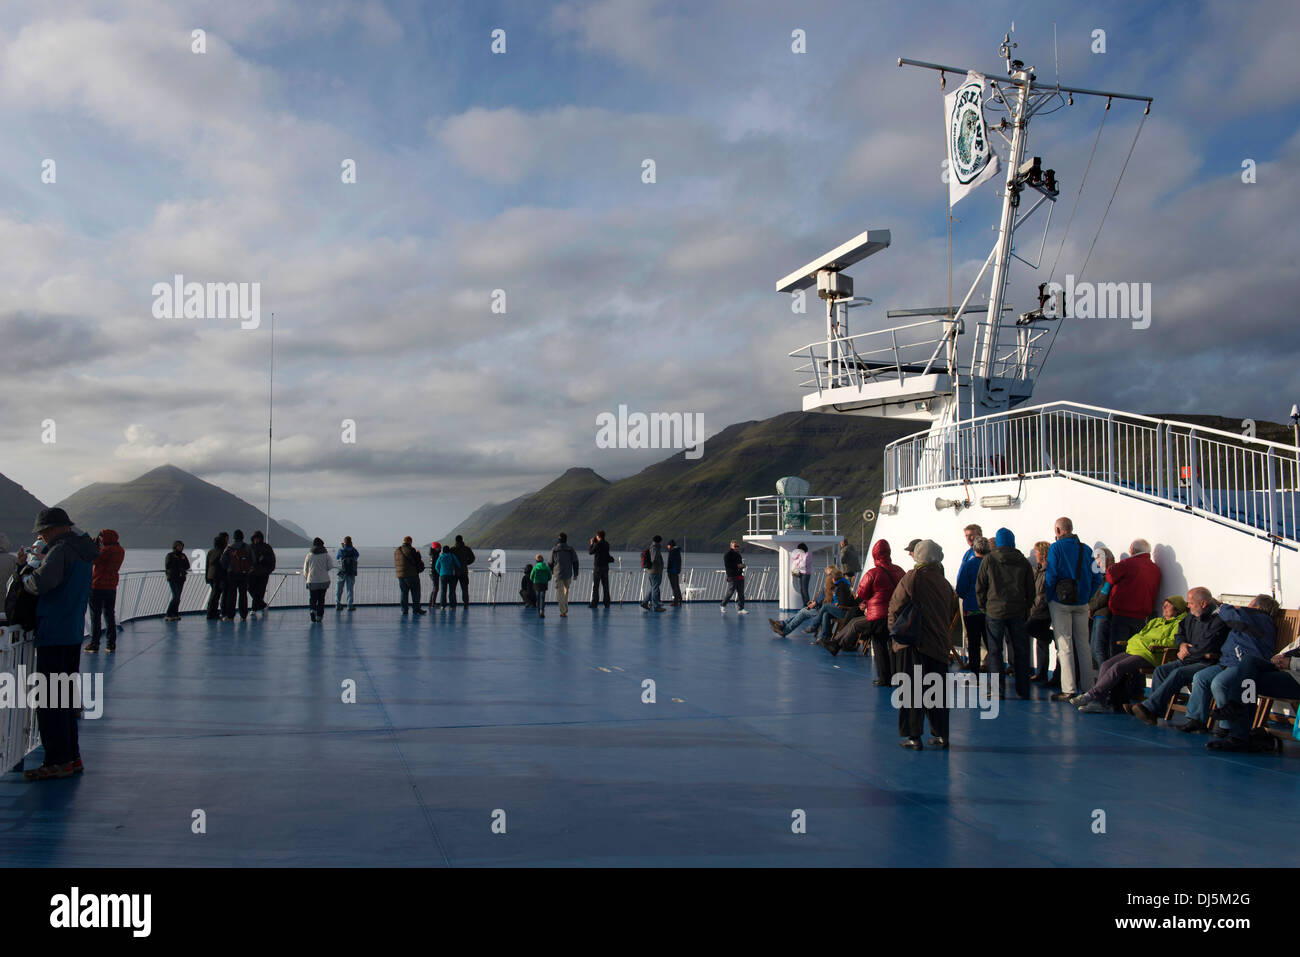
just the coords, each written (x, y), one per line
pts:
(1004, 614)
(1099, 613)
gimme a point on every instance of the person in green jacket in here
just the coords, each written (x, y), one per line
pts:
(1145, 649)
(540, 576)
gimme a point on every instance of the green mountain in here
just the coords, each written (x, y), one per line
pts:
(701, 501)
(18, 508)
(166, 504)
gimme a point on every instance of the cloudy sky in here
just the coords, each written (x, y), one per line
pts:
(522, 171)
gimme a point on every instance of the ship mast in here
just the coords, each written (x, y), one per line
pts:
(992, 378)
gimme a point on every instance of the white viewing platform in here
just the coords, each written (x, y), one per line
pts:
(783, 522)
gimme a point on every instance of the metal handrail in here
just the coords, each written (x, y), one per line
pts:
(1250, 483)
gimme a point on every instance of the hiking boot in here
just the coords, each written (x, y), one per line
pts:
(1228, 744)
(1093, 707)
(830, 645)
(1142, 713)
(777, 627)
(1062, 696)
(1191, 725)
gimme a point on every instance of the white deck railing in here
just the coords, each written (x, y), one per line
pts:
(774, 514)
(1250, 483)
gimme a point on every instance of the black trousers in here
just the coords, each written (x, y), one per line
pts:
(103, 603)
(911, 721)
(878, 635)
(257, 588)
(735, 586)
(236, 587)
(316, 598)
(599, 580)
(463, 580)
(58, 726)
(675, 582)
(975, 638)
(177, 587)
(215, 588)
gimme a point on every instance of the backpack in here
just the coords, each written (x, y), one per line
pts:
(241, 560)
(645, 559)
(348, 566)
(20, 606)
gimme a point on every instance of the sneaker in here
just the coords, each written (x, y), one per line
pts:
(91, 649)
(112, 648)
(912, 744)
(1191, 725)
(1093, 707)
(1062, 696)
(1080, 700)
(722, 608)
(76, 766)
(937, 742)
(47, 772)
(741, 611)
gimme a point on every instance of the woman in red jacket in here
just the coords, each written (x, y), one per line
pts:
(103, 589)
(874, 591)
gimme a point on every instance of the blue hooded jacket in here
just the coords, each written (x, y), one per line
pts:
(967, 575)
(1251, 632)
(448, 564)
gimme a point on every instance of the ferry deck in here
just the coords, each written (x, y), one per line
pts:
(462, 715)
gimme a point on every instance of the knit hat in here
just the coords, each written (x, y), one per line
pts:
(928, 551)
(1179, 603)
(1004, 538)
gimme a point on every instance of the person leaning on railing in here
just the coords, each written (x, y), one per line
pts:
(176, 566)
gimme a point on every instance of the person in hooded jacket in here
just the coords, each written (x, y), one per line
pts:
(61, 584)
(923, 612)
(237, 563)
(465, 555)
(215, 575)
(874, 591)
(1005, 590)
(347, 557)
(103, 590)
(564, 563)
(316, 568)
(8, 564)
(263, 565)
(448, 570)
(177, 567)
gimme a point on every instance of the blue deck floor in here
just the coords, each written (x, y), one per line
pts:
(459, 714)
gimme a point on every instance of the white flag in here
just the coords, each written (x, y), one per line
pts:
(971, 160)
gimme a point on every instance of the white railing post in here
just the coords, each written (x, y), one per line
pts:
(1110, 449)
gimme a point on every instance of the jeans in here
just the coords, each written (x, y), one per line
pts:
(447, 595)
(975, 631)
(831, 614)
(1070, 623)
(345, 583)
(316, 598)
(410, 589)
(257, 589)
(103, 602)
(675, 583)
(600, 579)
(58, 726)
(540, 589)
(462, 579)
(1102, 647)
(174, 609)
(1015, 631)
(801, 582)
(561, 594)
(735, 586)
(236, 586)
(1204, 687)
(656, 583)
(1270, 682)
(804, 614)
(1166, 682)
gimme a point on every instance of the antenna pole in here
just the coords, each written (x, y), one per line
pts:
(270, 417)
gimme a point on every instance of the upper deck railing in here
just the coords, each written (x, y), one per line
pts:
(775, 514)
(1247, 482)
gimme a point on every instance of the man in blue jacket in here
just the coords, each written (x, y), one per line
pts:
(61, 585)
(1070, 582)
